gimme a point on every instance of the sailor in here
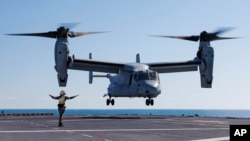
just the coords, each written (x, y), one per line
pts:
(61, 104)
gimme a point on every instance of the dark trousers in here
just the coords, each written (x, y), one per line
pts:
(61, 110)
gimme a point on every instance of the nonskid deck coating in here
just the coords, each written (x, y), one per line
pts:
(117, 128)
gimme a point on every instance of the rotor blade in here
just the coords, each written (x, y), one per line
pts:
(77, 34)
(222, 30)
(214, 36)
(51, 34)
(224, 38)
(190, 38)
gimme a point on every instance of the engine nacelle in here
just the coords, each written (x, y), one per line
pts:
(62, 74)
(62, 79)
(62, 61)
(206, 67)
(61, 69)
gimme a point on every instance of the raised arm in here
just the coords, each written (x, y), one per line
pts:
(53, 97)
(71, 97)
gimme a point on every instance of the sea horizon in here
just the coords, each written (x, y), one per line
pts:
(233, 113)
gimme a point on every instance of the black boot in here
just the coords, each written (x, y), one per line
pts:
(60, 124)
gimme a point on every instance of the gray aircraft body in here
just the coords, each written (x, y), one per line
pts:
(132, 79)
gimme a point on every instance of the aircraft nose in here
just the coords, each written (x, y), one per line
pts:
(152, 87)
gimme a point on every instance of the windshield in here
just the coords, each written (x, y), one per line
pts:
(152, 75)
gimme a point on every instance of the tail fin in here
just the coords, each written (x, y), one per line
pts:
(138, 58)
(90, 72)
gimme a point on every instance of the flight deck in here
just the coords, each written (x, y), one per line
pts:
(116, 128)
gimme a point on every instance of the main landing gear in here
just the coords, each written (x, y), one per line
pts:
(149, 101)
(110, 101)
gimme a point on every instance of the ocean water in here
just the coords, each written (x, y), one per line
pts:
(163, 112)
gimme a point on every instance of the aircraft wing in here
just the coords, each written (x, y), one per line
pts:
(168, 67)
(97, 66)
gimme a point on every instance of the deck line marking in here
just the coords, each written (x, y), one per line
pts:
(111, 130)
(85, 135)
(213, 139)
(7, 121)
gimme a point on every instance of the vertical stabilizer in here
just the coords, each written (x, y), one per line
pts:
(138, 58)
(90, 72)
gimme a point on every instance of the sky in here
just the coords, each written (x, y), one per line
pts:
(27, 63)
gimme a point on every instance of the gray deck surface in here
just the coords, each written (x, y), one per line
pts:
(116, 128)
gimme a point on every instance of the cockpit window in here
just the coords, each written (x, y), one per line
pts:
(143, 76)
(152, 75)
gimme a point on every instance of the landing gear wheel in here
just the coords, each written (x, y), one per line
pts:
(147, 102)
(151, 102)
(112, 102)
(107, 102)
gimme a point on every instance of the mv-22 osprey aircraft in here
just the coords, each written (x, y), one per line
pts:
(133, 79)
